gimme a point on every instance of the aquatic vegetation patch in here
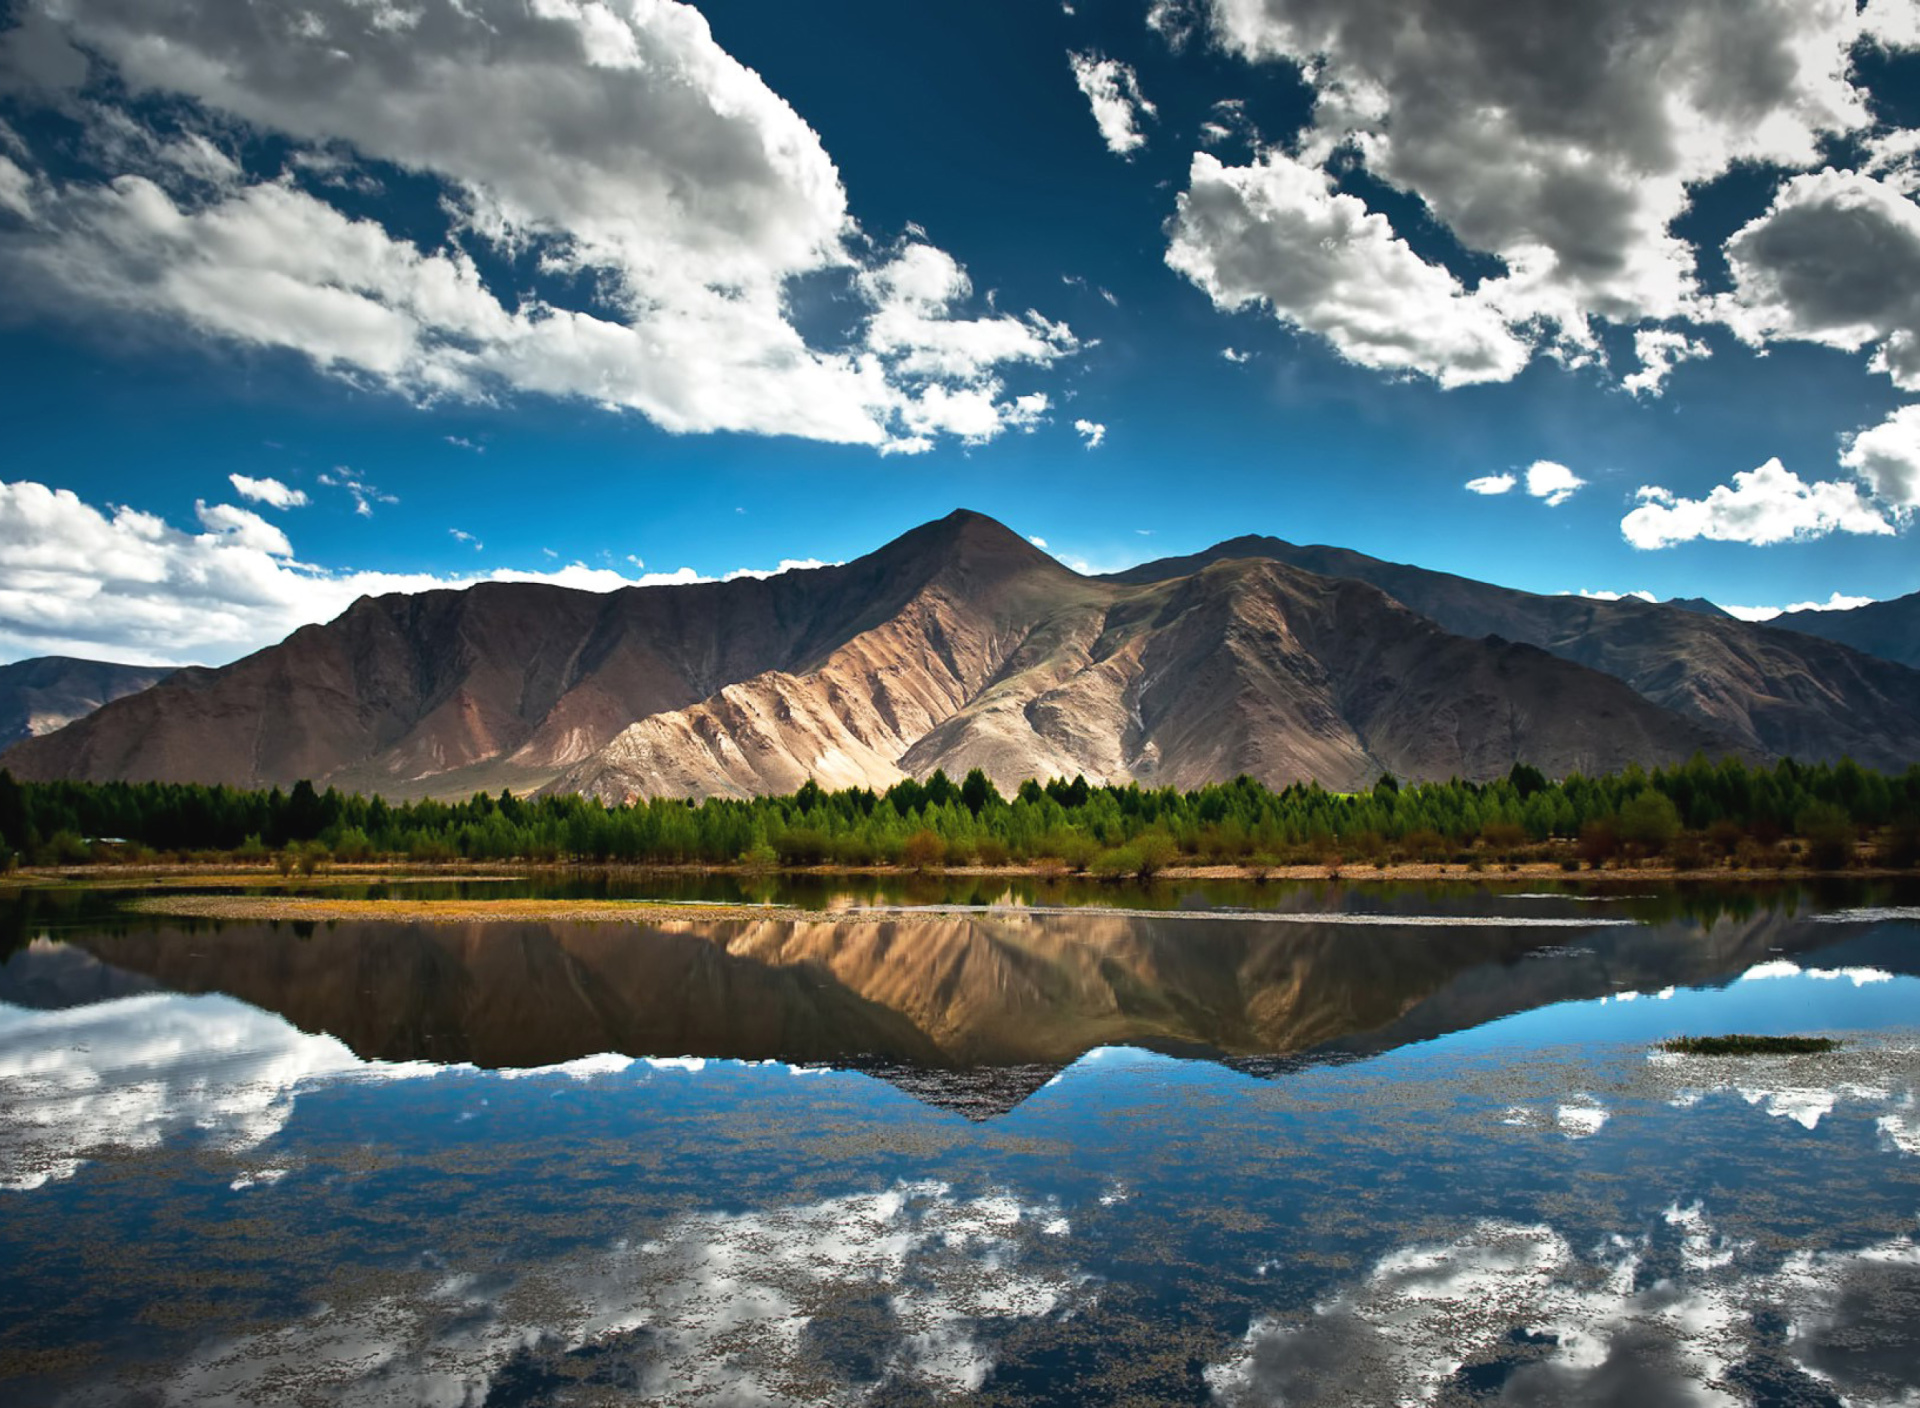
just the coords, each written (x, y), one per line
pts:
(1743, 1044)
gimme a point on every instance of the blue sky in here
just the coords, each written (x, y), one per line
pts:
(369, 294)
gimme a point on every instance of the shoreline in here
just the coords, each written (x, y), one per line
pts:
(111, 876)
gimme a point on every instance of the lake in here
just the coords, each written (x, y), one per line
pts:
(981, 1141)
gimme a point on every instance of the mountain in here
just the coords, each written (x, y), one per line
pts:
(49, 692)
(961, 645)
(1697, 604)
(1771, 691)
(1888, 629)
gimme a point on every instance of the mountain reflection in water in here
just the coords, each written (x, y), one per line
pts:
(969, 1010)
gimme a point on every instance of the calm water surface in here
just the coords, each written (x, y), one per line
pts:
(1236, 1145)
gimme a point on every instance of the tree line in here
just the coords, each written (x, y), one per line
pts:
(1699, 812)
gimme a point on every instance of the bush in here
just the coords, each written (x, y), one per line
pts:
(991, 851)
(1503, 838)
(1154, 850)
(1599, 843)
(1649, 820)
(1119, 863)
(1829, 836)
(1075, 849)
(1899, 844)
(802, 846)
(923, 851)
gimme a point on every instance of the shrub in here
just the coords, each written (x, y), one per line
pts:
(1154, 850)
(923, 851)
(1599, 843)
(1650, 820)
(991, 851)
(802, 846)
(1829, 836)
(1119, 863)
(1899, 844)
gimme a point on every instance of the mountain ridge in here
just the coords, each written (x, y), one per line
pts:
(960, 644)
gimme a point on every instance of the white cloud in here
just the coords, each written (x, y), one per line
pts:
(1113, 92)
(1492, 484)
(1660, 350)
(1563, 138)
(1553, 482)
(461, 536)
(1617, 596)
(125, 585)
(1835, 260)
(1092, 432)
(270, 492)
(623, 147)
(1770, 504)
(1277, 233)
(1236, 357)
(1174, 21)
(1887, 460)
(1037, 540)
(1839, 601)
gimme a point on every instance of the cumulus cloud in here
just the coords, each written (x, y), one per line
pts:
(1563, 140)
(124, 584)
(1660, 350)
(1770, 504)
(1886, 458)
(1552, 482)
(1492, 484)
(624, 149)
(1277, 233)
(270, 492)
(1037, 540)
(1092, 432)
(1834, 260)
(1113, 92)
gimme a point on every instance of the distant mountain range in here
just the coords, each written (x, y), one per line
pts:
(961, 645)
(40, 695)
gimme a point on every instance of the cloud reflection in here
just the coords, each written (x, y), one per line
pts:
(130, 1073)
(1514, 1311)
(820, 1302)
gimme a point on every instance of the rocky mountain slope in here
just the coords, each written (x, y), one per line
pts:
(1888, 629)
(1773, 691)
(49, 692)
(961, 645)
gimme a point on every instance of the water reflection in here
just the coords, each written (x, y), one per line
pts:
(1009, 991)
(525, 1164)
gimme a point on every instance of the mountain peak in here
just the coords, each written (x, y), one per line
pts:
(970, 539)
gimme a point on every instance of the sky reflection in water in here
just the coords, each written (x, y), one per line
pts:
(1428, 1165)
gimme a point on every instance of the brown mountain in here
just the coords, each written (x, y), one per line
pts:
(50, 691)
(1889, 629)
(1774, 691)
(961, 645)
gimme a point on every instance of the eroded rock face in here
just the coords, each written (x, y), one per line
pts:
(49, 692)
(1777, 692)
(961, 645)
